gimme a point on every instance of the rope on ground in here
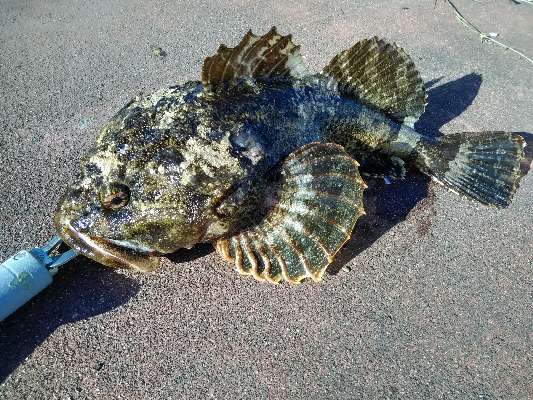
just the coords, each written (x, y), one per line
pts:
(487, 36)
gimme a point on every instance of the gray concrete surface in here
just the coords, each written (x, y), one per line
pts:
(438, 300)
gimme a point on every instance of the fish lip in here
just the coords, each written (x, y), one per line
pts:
(104, 251)
(124, 244)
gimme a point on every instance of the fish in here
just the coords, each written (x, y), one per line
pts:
(265, 160)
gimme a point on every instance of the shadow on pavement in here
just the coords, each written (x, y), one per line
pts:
(82, 289)
(185, 255)
(387, 205)
(446, 102)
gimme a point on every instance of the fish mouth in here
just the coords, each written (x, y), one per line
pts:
(111, 253)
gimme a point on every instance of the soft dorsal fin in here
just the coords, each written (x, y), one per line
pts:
(264, 56)
(319, 201)
(380, 75)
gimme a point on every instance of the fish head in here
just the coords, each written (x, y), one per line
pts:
(144, 191)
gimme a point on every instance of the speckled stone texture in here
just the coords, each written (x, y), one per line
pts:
(431, 298)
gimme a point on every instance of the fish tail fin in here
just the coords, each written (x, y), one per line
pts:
(484, 166)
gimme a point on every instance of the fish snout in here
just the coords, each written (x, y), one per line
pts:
(81, 229)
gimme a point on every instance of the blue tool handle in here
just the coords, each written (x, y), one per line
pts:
(21, 277)
(27, 273)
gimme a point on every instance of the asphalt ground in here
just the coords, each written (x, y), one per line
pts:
(430, 299)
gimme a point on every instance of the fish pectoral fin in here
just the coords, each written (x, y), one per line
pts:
(317, 206)
(380, 75)
(268, 56)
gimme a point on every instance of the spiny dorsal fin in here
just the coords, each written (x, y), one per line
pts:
(319, 201)
(380, 75)
(270, 55)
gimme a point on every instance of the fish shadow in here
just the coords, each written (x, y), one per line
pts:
(389, 204)
(186, 255)
(447, 101)
(82, 289)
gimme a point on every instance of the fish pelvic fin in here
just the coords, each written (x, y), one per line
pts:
(378, 165)
(483, 166)
(319, 201)
(269, 56)
(380, 75)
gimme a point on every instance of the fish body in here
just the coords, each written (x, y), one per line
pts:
(263, 165)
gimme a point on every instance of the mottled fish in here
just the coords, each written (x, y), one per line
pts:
(264, 160)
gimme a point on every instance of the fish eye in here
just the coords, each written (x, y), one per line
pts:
(115, 196)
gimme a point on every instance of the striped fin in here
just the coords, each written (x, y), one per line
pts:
(270, 55)
(483, 166)
(380, 75)
(319, 201)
